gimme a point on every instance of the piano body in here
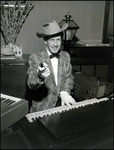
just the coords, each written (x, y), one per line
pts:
(12, 110)
(88, 124)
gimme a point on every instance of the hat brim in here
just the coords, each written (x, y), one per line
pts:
(41, 34)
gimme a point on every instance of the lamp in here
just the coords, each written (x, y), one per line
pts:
(70, 32)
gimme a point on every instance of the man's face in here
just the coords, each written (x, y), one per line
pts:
(54, 44)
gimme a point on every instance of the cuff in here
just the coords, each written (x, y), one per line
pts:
(63, 93)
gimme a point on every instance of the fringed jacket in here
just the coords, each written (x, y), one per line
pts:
(46, 92)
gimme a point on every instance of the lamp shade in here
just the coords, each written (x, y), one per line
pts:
(68, 35)
(72, 27)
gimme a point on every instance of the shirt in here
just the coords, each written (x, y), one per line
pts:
(54, 62)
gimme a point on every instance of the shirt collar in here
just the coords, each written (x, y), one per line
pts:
(49, 53)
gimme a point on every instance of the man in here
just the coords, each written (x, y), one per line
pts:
(50, 76)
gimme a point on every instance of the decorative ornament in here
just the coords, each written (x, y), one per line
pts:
(12, 18)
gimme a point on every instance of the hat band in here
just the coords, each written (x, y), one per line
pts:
(51, 28)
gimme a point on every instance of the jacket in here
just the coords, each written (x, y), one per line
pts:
(46, 94)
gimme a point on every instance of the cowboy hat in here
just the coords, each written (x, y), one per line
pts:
(51, 28)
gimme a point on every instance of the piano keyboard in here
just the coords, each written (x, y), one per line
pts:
(32, 116)
(9, 100)
(12, 110)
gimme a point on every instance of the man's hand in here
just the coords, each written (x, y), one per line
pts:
(43, 71)
(67, 99)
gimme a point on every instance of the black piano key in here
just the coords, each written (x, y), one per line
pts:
(2, 99)
(33, 119)
(36, 119)
(7, 100)
(11, 102)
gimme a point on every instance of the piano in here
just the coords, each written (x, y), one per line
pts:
(12, 110)
(88, 125)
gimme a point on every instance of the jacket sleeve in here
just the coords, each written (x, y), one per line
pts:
(33, 80)
(69, 78)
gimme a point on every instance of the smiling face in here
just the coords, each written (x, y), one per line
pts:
(53, 44)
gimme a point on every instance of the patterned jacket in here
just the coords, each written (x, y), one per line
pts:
(46, 93)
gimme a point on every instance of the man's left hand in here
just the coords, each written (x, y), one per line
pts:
(67, 99)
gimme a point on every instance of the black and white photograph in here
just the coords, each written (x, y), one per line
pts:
(57, 74)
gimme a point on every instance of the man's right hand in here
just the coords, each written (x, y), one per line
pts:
(43, 71)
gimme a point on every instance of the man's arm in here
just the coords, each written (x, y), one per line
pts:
(37, 72)
(66, 98)
(33, 79)
(69, 78)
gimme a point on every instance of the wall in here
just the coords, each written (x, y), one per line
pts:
(89, 16)
(110, 23)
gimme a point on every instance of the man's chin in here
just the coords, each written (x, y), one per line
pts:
(56, 52)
